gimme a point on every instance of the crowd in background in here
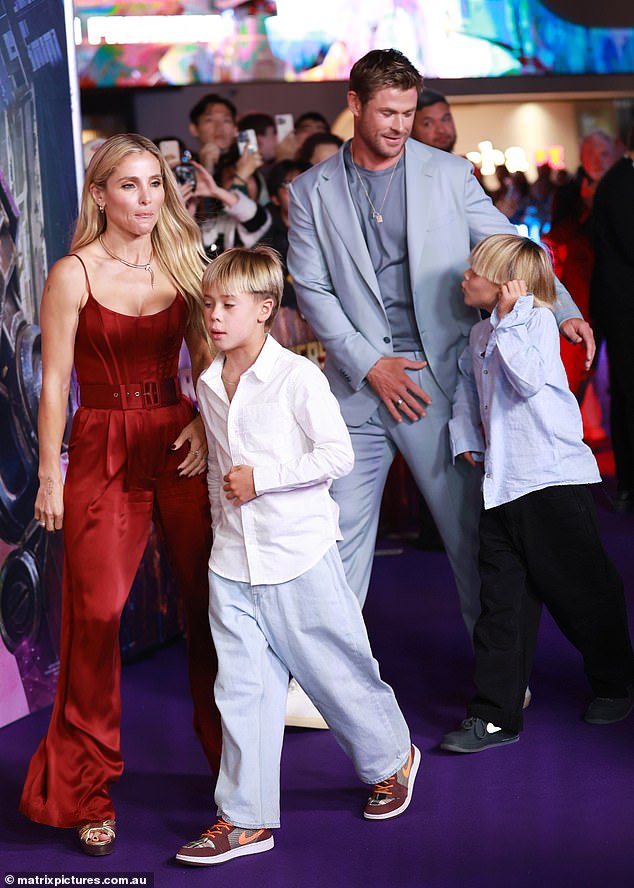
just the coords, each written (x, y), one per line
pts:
(250, 203)
(237, 191)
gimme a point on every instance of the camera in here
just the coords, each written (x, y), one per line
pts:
(184, 171)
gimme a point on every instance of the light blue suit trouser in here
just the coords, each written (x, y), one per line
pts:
(312, 628)
(452, 492)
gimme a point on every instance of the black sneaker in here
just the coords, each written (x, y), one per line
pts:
(607, 710)
(476, 735)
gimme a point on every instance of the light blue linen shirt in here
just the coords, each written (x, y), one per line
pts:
(513, 404)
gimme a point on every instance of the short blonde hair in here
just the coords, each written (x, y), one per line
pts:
(257, 271)
(505, 257)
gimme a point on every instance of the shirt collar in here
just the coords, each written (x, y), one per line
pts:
(261, 367)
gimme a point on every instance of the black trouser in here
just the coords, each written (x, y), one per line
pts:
(545, 548)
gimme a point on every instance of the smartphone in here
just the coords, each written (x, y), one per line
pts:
(284, 124)
(184, 171)
(170, 149)
(247, 142)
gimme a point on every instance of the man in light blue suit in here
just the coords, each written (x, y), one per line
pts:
(380, 235)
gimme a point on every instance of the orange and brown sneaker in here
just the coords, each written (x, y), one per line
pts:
(224, 842)
(391, 797)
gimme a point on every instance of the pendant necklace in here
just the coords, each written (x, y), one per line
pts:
(146, 266)
(376, 214)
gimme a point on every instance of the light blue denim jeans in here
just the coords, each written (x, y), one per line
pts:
(310, 627)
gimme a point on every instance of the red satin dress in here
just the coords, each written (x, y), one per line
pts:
(122, 475)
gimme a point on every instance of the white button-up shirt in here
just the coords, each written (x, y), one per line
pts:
(513, 404)
(285, 422)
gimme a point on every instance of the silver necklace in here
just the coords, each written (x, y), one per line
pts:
(376, 214)
(146, 266)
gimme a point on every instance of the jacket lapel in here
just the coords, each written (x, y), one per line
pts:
(335, 194)
(419, 169)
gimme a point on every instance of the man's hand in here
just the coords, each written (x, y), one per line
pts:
(248, 163)
(400, 394)
(209, 154)
(239, 485)
(577, 330)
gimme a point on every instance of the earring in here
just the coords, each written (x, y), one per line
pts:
(101, 208)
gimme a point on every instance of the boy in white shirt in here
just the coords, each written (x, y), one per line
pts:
(279, 601)
(539, 541)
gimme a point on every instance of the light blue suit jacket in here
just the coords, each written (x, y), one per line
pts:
(446, 213)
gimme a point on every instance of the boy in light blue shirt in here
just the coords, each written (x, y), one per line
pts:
(539, 541)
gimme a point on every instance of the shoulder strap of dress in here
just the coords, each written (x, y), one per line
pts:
(77, 256)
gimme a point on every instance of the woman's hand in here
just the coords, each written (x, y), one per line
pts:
(206, 185)
(189, 198)
(49, 504)
(195, 463)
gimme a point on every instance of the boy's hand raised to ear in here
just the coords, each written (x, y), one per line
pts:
(509, 294)
(239, 485)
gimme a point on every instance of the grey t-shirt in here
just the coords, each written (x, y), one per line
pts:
(387, 244)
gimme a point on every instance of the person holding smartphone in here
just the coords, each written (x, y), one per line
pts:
(225, 200)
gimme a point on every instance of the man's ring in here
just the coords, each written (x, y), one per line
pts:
(399, 402)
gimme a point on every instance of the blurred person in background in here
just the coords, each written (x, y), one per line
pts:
(433, 122)
(572, 249)
(263, 125)
(612, 307)
(319, 147)
(224, 203)
(306, 125)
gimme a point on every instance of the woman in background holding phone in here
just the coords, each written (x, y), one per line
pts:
(117, 309)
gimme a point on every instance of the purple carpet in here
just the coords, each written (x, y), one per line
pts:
(555, 809)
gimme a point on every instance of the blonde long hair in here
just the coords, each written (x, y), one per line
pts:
(175, 238)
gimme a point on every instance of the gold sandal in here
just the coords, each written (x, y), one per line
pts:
(88, 833)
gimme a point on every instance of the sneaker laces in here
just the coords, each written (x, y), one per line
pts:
(385, 787)
(478, 725)
(217, 830)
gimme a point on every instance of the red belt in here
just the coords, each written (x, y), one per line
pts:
(144, 395)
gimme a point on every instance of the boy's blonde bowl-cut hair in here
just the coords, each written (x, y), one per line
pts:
(257, 271)
(505, 257)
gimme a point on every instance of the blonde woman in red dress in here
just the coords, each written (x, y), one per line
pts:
(117, 309)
